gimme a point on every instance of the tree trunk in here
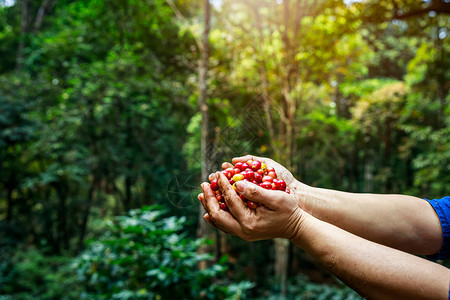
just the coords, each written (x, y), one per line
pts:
(45, 7)
(10, 186)
(86, 214)
(128, 181)
(264, 77)
(9, 214)
(23, 31)
(281, 263)
(440, 77)
(368, 174)
(128, 196)
(387, 153)
(63, 236)
(289, 83)
(204, 229)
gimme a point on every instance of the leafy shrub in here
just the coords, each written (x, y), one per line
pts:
(301, 288)
(145, 255)
(30, 274)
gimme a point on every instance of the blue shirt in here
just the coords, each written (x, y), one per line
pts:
(442, 208)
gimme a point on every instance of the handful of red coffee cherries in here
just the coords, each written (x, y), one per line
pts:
(252, 171)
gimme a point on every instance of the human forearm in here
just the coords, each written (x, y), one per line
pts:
(375, 271)
(403, 222)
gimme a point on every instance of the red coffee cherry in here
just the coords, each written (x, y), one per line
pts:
(267, 178)
(244, 167)
(252, 205)
(239, 166)
(281, 184)
(214, 185)
(258, 177)
(266, 185)
(251, 171)
(223, 206)
(256, 165)
(249, 175)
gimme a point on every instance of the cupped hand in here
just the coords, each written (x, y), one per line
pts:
(297, 188)
(277, 216)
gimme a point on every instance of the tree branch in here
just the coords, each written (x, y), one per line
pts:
(438, 6)
(183, 19)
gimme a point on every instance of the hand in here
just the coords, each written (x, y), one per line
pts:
(278, 215)
(298, 189)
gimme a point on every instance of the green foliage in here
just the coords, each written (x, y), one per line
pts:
(95, 115)
(364, 87)
(325, 135)
(145, 255)
(301, 288)
(31, 274)
(101, 113)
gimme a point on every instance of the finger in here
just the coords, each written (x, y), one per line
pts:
(248, 157)
(281, 171)
(255, 193)
(208, 197)
(211, 177)
(234, 203)
(221, 218)
(201, 197)
(226, 165)
(208, 218)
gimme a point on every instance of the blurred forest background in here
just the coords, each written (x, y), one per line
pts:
(113, 112)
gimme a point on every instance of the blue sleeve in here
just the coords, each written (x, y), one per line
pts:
(442, 208)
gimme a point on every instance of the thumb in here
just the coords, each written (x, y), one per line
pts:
(257, 194)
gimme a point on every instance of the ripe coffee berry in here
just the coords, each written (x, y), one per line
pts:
(252, 205)
(256, 165)
(281, 185)
(214, 185)
(227, 174)
(266, 185)
(223, 206)
(238, 165)
(251, 171)
(267, 178)
(249, 175)
(245, 166)
(258, 178)
(272, 174)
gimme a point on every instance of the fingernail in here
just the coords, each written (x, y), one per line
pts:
(240, 186)
(217, 175)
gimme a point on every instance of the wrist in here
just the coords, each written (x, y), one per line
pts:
(302, 232)
(302, 193)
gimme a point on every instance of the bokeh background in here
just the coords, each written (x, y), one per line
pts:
(113, 112)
